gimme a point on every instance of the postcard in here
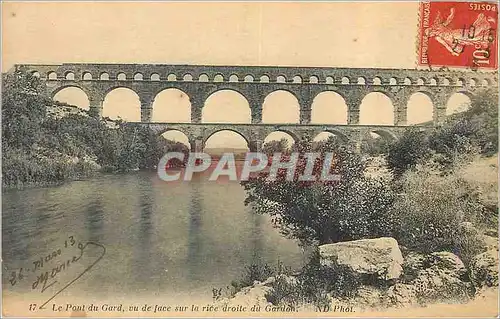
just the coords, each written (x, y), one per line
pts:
(249, 159)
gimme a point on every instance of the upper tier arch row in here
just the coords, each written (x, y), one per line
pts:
(259, 74)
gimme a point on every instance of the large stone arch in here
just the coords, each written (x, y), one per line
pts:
(419, 108)
(376, 141)
(208, 134)
(171, 113)
(465, 91)
(430, 95)
(226, 107)
(270, 113)
(186, 141)
(385, 133)
(80, 99)
(128, 109)
(380, 111)
(458, 101)
(342, 136)
(320, 112)
(293, 135)
(118, 85)
(381, 89)
(59, 88)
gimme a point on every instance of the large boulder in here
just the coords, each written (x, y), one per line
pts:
(436, 277)
(378, 257)
(484, 269)
(441, 279)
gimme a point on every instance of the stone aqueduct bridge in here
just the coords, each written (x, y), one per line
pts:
(255, 83)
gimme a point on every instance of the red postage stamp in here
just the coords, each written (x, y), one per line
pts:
(458, 34)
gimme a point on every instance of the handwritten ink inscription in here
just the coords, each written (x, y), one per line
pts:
(49, 268)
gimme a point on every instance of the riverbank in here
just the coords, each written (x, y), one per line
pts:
(48, 143)
(372, 276)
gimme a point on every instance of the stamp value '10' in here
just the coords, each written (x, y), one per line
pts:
(458, 34)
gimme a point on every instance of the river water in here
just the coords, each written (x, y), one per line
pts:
(161, 239)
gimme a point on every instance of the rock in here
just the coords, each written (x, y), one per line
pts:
(447, 261)
(269, 281)
(249, 296)
(484, 269)
(435, 285)
(262, 293)
(490, 242)
(401, 295)
(380, 257)
(431, 278)
(288, 280)
(369, 297)
(412, 265)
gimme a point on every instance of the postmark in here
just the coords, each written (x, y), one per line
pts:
(458, 34)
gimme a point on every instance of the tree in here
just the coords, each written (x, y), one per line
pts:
(324, 212)
(23, 109)
(374, 146)
(479, 124)
(407, 151)
(274, 146)
(40, 149)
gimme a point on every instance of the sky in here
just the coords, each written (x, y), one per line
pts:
(353, 34)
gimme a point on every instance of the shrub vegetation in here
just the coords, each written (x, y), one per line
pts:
(38, 149)
(427, 207)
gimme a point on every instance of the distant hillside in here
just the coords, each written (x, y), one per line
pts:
(217, 151)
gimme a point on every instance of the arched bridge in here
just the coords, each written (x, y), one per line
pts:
(254, 134)
(255, 83)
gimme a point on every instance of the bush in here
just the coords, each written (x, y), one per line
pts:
(314, 284)
(468, 132)
(22, 169)
(273, 146)
(23, 109)
(40, 149)
(254, 272)
(453, 144)
(375, 146)
(478, 125)
(410, 149)
(430, 211)
(325, 212)
(317, 280)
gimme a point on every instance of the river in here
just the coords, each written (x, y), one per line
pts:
(162, 240)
